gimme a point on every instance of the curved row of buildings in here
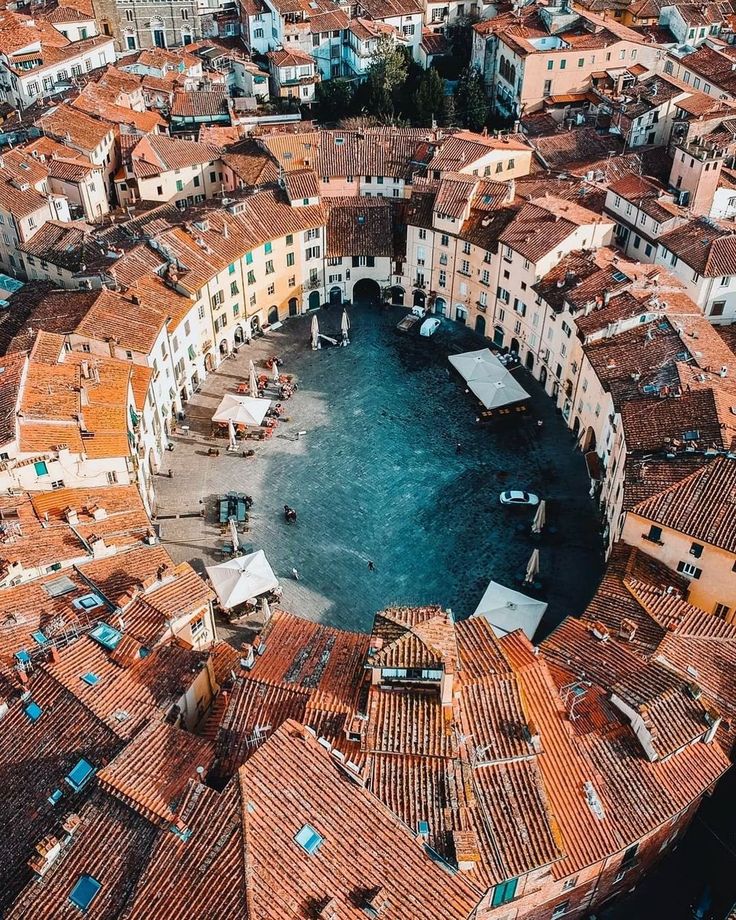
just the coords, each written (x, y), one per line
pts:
(427, 770)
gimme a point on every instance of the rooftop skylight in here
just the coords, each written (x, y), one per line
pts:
(308, 839)
(80, 774)
(106, 635)
(84, 892)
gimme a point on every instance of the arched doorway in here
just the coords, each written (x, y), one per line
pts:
(480, 325)
(255, 324)
(543, 376)
(461, 314)
(588, 441)
(293, 306)
(498, 336)
(335, 296)
(209, 362)
(397, 295)
(514, 347)
(224, 347)
(314, 301)
(273, 315)
(576, 427)
(530, 361)
(420, 299)
(440, 306)
(367, 291)
(238, 335)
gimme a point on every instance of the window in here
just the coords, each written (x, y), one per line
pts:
(503, 294)
(581, 62)
(718, 307)
(185, 14)
(686, 568)
(563, 64)
(504, 892)
(308, 839)
(422, 234)
(271, 289)
(251, 277)
(721, 610)
(550, 65)
(630, 855)
(269, 266)
(234, 288)
(267, 248)
(560, 910)
(547, 88)
(696, 550)
(179, 185)
(129, 15)
(444, 240)
(466, 248)
(41, 468)
(84, 892)
(442, 281)
(569, 883)
(654, 535)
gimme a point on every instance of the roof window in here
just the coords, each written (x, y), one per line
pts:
(84, 892)
(33, 711)
(80, 774)
(106, 635)
(59, 586)
(55, 796)
(39, 637)
(87, 602)
(308, 839)
(91, 678)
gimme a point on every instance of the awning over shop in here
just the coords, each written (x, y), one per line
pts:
(488, 379)
(507, 610)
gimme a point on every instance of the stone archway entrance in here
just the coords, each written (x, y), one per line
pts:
(397, 295)
(420, 299)
(589, 441)
(498, 336)
(480, 325)
(224, 347)
(273, 315)
(239, 335)
(293, 306)
(314, 301)
(366, 291)
(335, 296)
(514, 347)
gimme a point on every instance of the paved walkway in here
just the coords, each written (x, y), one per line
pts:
(377, 477)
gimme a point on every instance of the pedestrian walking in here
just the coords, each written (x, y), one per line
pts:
(171, 474)
(540, 425)
(371, 567)
(295, 574)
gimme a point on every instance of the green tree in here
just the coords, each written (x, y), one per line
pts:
(335, 99)
(471, 105)
(429, 102)
(386, 75)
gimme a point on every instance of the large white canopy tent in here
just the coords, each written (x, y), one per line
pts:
(241, 410)
(507, 610)
(486, 376)
(239, 579)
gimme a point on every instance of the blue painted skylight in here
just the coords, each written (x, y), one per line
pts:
(84, 892)
(106, 635)
(91, 678)
(80, 774)
(308, 839)
(33, 711)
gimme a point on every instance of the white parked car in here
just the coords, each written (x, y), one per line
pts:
(429, 326)
(516, 497)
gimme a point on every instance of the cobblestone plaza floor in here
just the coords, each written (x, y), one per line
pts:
(378, 476)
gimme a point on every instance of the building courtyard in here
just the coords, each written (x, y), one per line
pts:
(380, 455)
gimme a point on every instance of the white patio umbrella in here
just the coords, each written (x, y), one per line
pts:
(236, 580)
(234, 534)
(539, 518)
(345, 326)
(315, 333)
(233, 443)
(241, 410)
(532, 568)
(265, 610)
(507, 610)
(252, 379)
(275, 372)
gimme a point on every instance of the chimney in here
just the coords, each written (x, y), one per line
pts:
(600, 631)
(423, 832)
(71, 823)
(54, 656)
(72, 517)
(377, 903)
(627, 630)
(46, 852)
(466, 850)
(329, 911)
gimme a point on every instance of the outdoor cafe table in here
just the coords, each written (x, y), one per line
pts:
(232, 505)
